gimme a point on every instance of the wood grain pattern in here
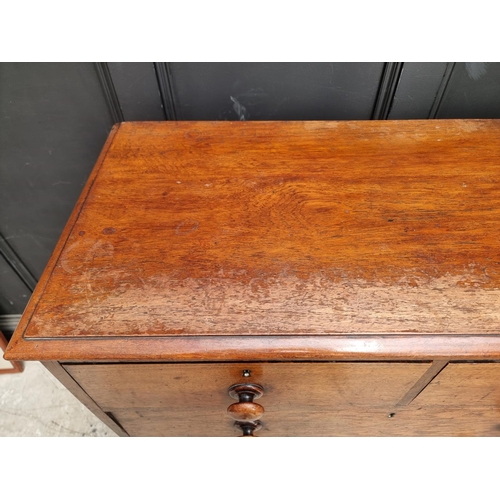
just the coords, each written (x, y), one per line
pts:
(423, 382)
(296, 348)
(281, 241)
(360, 421)
(245, 412)
(279, 229)
(463, 385)
(426, 422)
(191, 387)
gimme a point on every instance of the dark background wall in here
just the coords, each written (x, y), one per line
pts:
(55, 117)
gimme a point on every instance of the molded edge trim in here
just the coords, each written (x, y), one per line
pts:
(296, 348)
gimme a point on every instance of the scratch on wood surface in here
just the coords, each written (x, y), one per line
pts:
(186, 227)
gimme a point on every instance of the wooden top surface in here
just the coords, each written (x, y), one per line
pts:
(282, 229)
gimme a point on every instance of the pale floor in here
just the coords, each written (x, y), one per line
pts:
(33, 403)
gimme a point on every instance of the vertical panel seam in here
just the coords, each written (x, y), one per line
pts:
(16, 264)
(110, 94)
(164, 77)
(387, 90)
(442, 90)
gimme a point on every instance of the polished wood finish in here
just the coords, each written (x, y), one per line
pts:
(399, 422)
(196, 395)
(352, 267)
(308, 385)
(246, 410)
(422, 382)
(280, 230)
(359, 421)
(303, 348)
(442, 421)
(460, 385)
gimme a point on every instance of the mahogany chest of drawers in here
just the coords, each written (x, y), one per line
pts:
(281, 279)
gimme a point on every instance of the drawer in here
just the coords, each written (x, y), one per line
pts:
(461, 385)
(462, 400)
(444, 421)
(191, 399)
(284, 423)
(418, 422)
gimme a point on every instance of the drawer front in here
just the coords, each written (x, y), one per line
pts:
(422, 422)
(462, 400)
(301, 399)
(459, 385)
(444, 421)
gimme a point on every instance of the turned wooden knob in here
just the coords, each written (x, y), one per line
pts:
(246, 412)
(248, 428)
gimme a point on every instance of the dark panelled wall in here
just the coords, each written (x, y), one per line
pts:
(55, 117)
(53, 122)
(305, 91)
